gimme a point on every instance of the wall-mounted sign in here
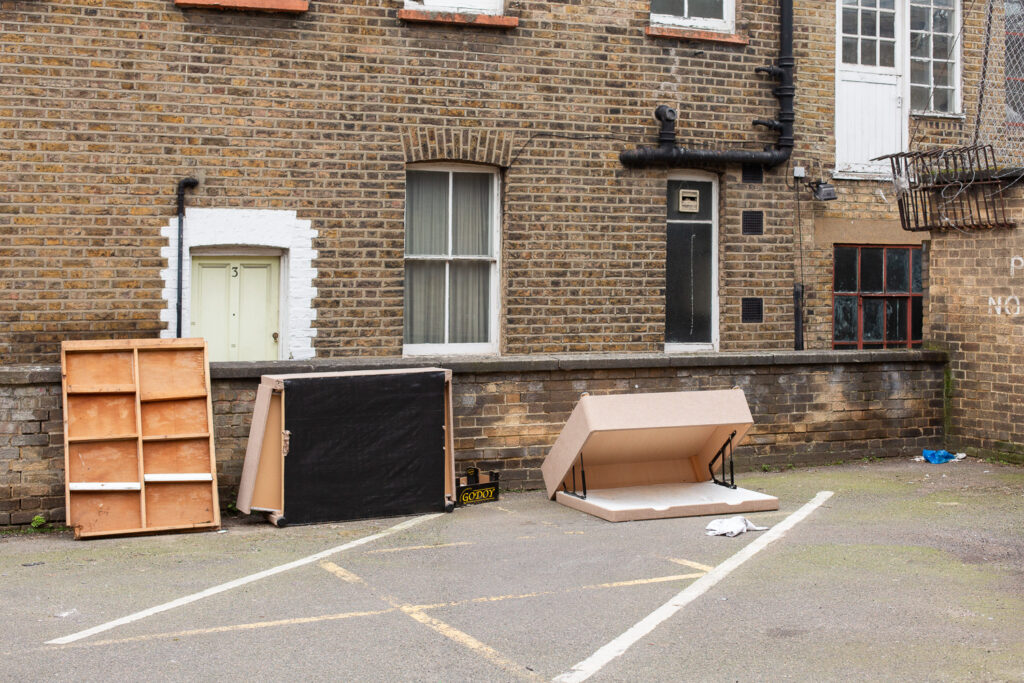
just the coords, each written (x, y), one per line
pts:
(689, 201)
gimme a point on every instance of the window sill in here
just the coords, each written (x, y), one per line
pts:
(694, 34)
(937, 115)
(458, 19)
(259, 5)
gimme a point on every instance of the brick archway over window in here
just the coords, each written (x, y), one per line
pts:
(434, 143)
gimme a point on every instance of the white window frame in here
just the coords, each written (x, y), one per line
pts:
(678, 347)
(492, 7)
(726, 25)
(491, 346)
(958, 54)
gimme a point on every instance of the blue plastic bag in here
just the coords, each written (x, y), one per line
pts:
(937, 457)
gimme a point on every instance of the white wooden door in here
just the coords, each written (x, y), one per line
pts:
(871, 119)
(235, 306)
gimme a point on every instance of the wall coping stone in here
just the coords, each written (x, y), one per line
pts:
(42, 374)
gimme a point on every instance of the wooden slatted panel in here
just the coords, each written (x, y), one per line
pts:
(133, 407)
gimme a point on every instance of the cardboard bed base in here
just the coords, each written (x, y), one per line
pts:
(661, 501)
(651, 456)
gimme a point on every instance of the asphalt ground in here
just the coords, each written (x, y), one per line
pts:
(910, 571)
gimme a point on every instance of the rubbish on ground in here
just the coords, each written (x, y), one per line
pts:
(138, 439)
(731, 526)
(359, 444)
(625, 457)
(939, 457)
(476, 487)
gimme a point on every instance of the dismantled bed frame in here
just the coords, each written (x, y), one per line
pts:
(650, 456)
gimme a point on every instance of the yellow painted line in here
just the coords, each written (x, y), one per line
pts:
(689, 563)
(418, 547)
(234, 627)
(643, 582)
(575, 532)
(498, 507)
(343, 574)
(493, 598)
(471, 643)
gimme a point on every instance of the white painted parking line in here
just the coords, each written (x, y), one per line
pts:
(595, 662)
(238, 582)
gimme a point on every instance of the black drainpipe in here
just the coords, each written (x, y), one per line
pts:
(667, 153)
(183, 184)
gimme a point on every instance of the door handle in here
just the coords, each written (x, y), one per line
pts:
(274, 336)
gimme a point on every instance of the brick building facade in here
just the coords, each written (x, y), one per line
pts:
(337, 144)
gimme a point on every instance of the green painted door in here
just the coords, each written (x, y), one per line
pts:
(235, 306)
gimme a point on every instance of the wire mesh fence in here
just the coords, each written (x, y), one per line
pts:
(999, 119)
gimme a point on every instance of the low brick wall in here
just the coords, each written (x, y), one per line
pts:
(808, 408)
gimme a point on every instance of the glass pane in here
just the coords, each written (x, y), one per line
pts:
(850, 21)
(920, 45)
(940, 73)
(941, 47)
(916, 318)
(874, 319)
(867, 52)
(887, 24)
(919, 72)
(850, 3)
(919, 98)
(919, 19)
(468, 303)
(868, 23)
(943, 99)
(676, 8)
(887, 53)
(887, 4)
(845, 319)
(915, 273)
(896, 320)
(945, 3)
(867, 3)
(471, 214)
(424, 303)
(873, 346)
(942, 21)
(846, 269)
(849, 50)
(710, 9)
(426, 213)
(871, 270)
(897, 270)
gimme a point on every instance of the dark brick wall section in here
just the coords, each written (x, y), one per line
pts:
(977, 317)
(811, 408)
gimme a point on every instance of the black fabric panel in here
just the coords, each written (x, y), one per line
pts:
(364, 446)
(688, 283)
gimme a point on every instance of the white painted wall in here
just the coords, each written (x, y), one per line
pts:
(248, 228)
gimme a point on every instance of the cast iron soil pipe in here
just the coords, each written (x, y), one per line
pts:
(669, 154)
(183, 184)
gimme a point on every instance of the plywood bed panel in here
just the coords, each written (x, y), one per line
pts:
(138, 441)
(101, 416)
(170, 457)
(179, 504)
(103, 461)
(107, 511)
(174, 418)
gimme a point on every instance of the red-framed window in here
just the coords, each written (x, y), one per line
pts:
(877, 297)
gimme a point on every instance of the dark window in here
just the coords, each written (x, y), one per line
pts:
(877, 297)
(752, 310)
(753, 222)
(689, 262)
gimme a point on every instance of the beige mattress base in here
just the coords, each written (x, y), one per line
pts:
(660, 501)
